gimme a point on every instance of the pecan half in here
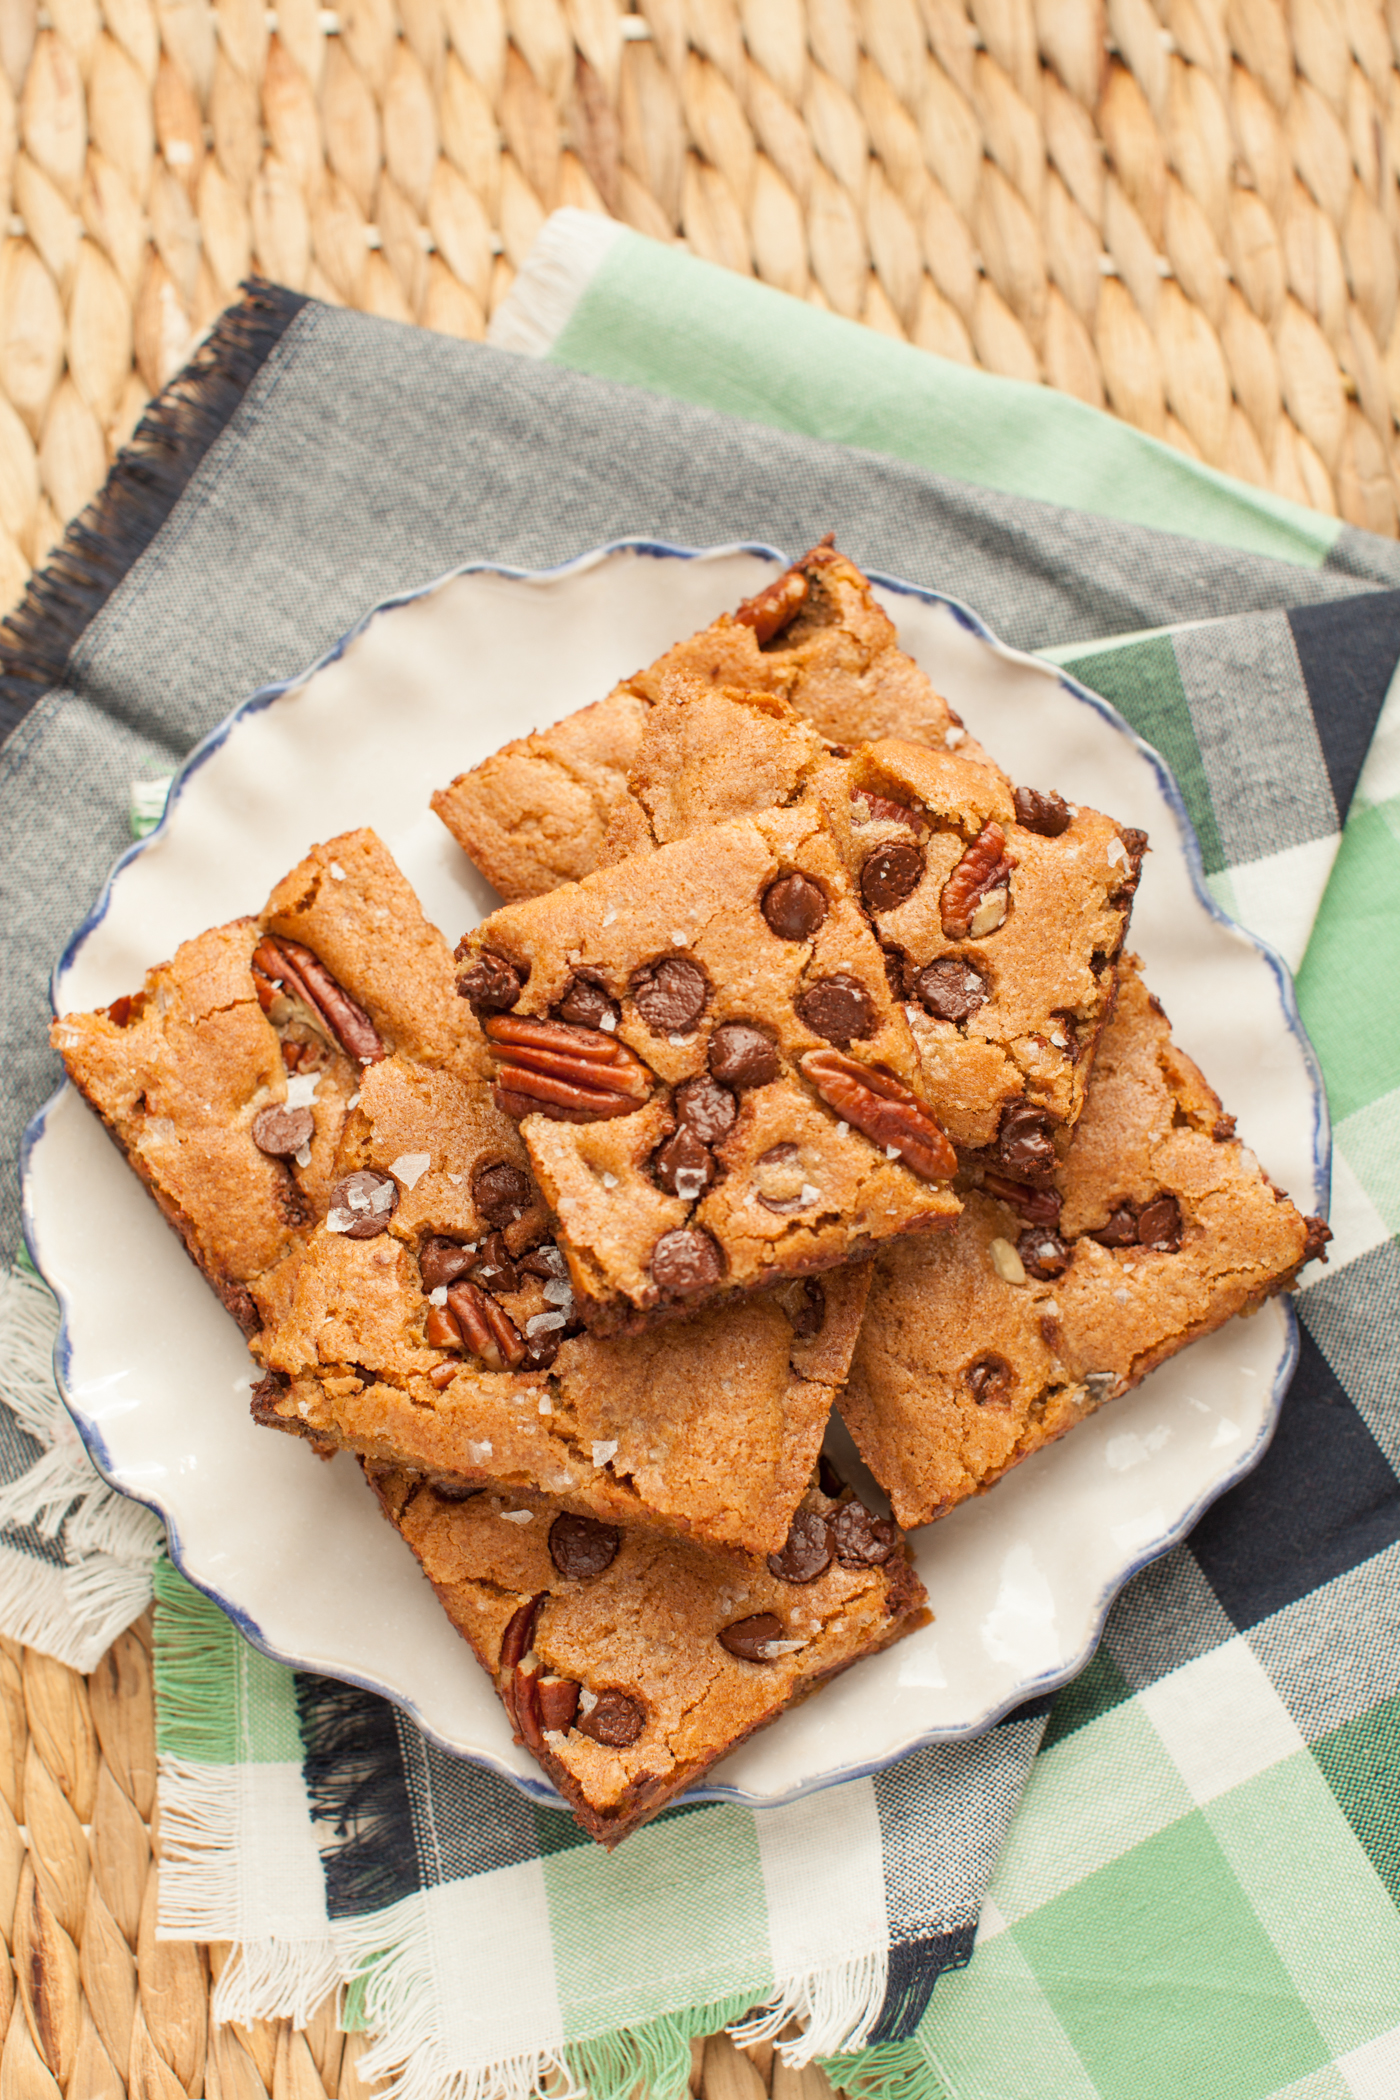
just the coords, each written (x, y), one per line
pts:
(515, 1646)
(285, 965)
(573, 1075)
(769, 610)
(487, 1328)
(869, 808)
(985, 866)
(882, 1109)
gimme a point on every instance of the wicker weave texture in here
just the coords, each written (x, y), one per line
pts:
(1186, 212)
(92, 2005)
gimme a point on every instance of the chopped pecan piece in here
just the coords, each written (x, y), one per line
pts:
(870, 808)
(985, 866)
(1037, 1206)
(515, 1646)
(769, 610)
(487, 1328)
(882, 1109)
(573, 1075)
(285, 965)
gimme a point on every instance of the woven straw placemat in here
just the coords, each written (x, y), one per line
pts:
(1186, 212)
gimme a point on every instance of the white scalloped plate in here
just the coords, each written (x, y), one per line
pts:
(155, 1372)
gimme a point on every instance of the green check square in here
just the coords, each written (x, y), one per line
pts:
(1096, 1690)
(1164, 1981)
(1349, 985)
(1143, 681)
(1361, 1763)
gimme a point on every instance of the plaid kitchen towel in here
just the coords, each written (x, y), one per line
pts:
(256, 531)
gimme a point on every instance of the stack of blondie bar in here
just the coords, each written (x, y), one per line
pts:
(802, 1067)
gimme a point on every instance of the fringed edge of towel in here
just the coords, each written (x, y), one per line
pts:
(147, 479)
(76, 1609)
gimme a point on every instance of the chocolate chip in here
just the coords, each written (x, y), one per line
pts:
(501, 1193)
(891, 875)
(581, 1547)
(1048, 813)
(494, 1270)
(705, 1109)
(838, 1009)
(491, 983)
(558, 1702)
(1024, 1144)
(265, 1395)
(951, 990)
(1120, 1231)
(794, 907)
(547, 1262)
(540, 1350)
(807, 1553)
(683, 1166)
(861, 1539)
(362, 1204)
(670, 995)
(614, 1719)
(1224, 1129)
(990, 1380)
(585, 1004)
(749, 1639)
(442, 1261)
(809, 1314)
(457, 1490)
(1159, 1227)
(828, 1479)
(685, 1260)
(281, 1132)
(1043, 1253)
(741, 1055)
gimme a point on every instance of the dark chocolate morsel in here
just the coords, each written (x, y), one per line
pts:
(362, 1204)
(794, 907)
(990, 1380)
(491, 983)
(670, 995)
(1120, 1231)
(1043, 1253)
(683, 1166)
(839, 1009)
(828, 1479)
(809, 1317)
(1048, 813)
(891, 875)
(281, 1132)
(951, 990)
(750, 1638)
(742, 1055)
(614, 1719)
(585, 1004)
(807, 1553)
(686, 1260)
(705, 1109)
(493, 1268)
(501, 1193)
(861, 1539)
(558, 1703)
(581, 1547)
(1159, 1226)
(442, 1261)
(1024, 1144)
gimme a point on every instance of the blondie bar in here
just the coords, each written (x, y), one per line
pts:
(629, 1663)
(1059, 1293)
(715, 1084)
(433, 1327)
(552, 807)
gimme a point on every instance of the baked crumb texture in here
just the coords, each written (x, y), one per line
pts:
(719, 726)
(629, 1662)
(184, 1071)
(715, 1084)
(448, 1342)
(1157, 1227)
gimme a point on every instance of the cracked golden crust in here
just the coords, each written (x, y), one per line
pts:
(719, 725)
(647, 1625)
(716, 1421)
(1034, 1039)
(707, 889)
(1115, 1313)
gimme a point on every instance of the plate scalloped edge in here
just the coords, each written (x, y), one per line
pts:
(1030, 1689)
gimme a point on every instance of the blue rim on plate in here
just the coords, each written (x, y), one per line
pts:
(1320, 1149)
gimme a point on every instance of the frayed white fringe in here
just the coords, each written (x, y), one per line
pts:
(836, 2008)
(553, 278)
(403, 2010)
(203, 1894)
(109, 1542)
